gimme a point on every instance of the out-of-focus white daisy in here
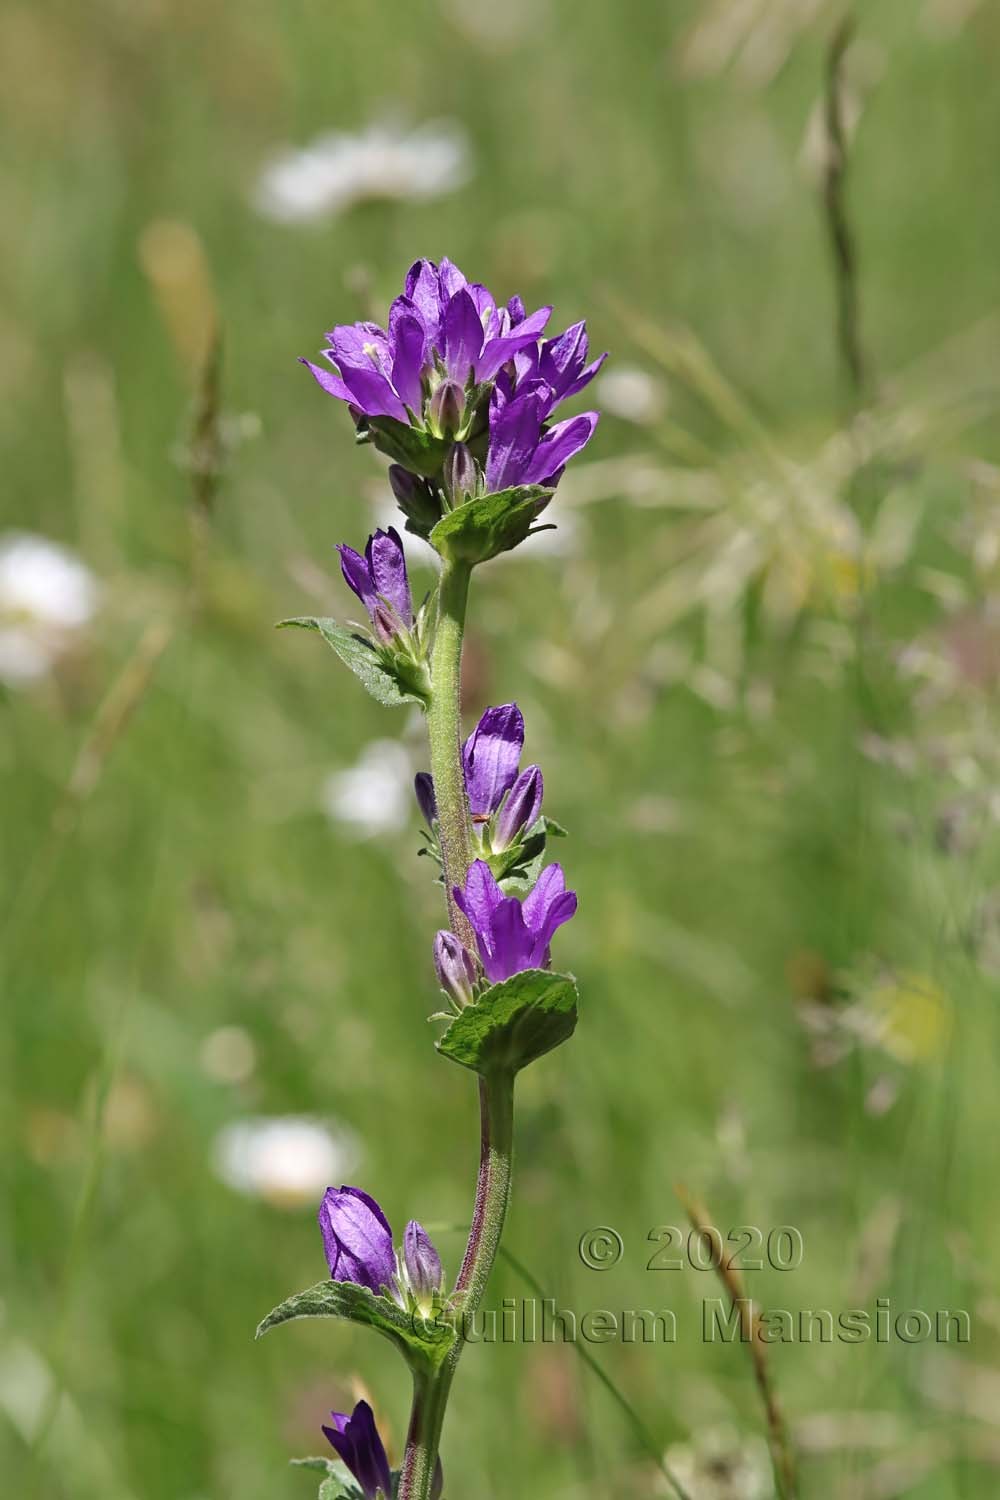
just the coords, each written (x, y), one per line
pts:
(632, 394)
(722, 1464)
(385, 160)
(286, 1159)
(47, 596)
(375, 795)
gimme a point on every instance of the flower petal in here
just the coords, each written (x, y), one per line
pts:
(357, 575)
(480, 898)
(462, 336)
(424, 290)
(372, 392)
(408, 341)
(364, 346)
(330, 381)
(511, 944)
(499, 351)
(584, 378)
(515, 426)
(387, 565)
(562, 908)
(550, 884)
(490, 757)
(558, 446)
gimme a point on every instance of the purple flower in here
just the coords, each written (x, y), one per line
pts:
(423, 786)
(441, 323)
(456, 968)
(454, 364)
(490, 757)
(561, 362)
(520, 810)
(359, 1446)
(357, 1239)
(521, 449)
(380, 581)
(513, 935)
(422, 1262)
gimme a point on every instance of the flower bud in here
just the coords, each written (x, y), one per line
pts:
(456, 971)
(357, 1239)
(523, 804)
(447, 411)
(423, 785)
(422, 1262)
(415, 498)
(460, 475)
(359, 1447)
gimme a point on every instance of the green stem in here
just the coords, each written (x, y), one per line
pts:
(430, 1393)
(444, 728)
(496, 1092)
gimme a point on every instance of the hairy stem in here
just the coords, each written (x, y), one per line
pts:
(444, 728)
(430, 1394)
(496, 1092)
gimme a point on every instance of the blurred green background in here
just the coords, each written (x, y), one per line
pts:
(758, 663)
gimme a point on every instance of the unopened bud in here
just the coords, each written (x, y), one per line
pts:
(422, 1262)
(423, 785)
(415, 498)
(447, 411)
(460, 475)
(455, 968)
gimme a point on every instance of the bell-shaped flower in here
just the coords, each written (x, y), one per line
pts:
(381, 583)
(519, 810)
(361, 1450)
(511, 934)
(490, 757)
(497, 795)
(357, 1239)
(522, 449)
(442, 321)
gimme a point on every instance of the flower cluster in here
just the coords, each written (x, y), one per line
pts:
(461, 394)
(358, 1242)
(357, 1239)
(455, 369)
(503, 804)
(380, 580)
(398, 634)
(511, 934)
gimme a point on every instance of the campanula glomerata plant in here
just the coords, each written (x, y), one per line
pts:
(461, 394)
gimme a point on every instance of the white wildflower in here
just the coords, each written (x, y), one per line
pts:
(375, 795)
(287, 1159)
(385, 160)
(47, 596)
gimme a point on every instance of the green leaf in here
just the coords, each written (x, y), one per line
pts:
(423, 1344)
(337, 1485)
(480, 529)
(362, 658)
(335, 1489)
(513, 1022)
(420, 452)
